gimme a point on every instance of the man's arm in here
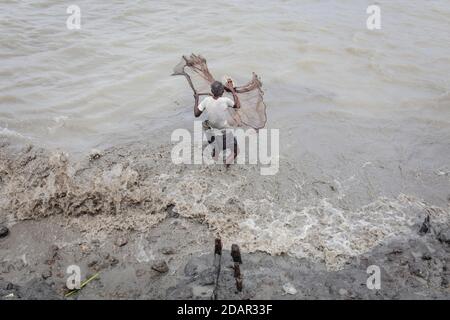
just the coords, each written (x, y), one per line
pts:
(237, 103)
(197, 111)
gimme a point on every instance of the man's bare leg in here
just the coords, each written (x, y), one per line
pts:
(234, 153)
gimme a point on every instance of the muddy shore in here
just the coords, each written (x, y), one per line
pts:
(148, 231)
(36, 254)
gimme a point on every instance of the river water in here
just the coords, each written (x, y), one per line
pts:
(364, 115)
(111, 81)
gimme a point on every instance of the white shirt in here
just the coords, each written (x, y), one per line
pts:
(217, 111)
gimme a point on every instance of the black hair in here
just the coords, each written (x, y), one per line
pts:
(217, 89)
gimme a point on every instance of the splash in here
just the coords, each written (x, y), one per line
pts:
(132, 188)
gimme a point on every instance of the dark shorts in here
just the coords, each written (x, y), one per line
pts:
(224, 140)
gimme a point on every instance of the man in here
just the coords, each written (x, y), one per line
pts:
(218, 114)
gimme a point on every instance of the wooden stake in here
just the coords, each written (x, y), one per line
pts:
(218, 247)
(239, 284)
(236, 253)
(237, 270)
(217, 263)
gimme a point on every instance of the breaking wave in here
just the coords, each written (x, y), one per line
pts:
(135, 187)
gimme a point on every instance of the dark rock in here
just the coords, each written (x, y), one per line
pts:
(53, 250)
(10, 286)
(113, 261)
(121, 241)
(426, 256)
(167, 250)
(46, 274)
(160, 266)
(444, 236)
(95, 155)
(92, 263)
(4, 231)
(171, 213)
(425, 226)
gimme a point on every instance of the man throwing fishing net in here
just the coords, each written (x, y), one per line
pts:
(245, 109)
(216, 107)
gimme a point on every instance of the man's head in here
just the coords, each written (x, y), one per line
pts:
(217, 89)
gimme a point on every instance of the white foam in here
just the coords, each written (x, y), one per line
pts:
(10, 133)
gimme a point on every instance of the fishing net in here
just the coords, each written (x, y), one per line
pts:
(252, 112)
